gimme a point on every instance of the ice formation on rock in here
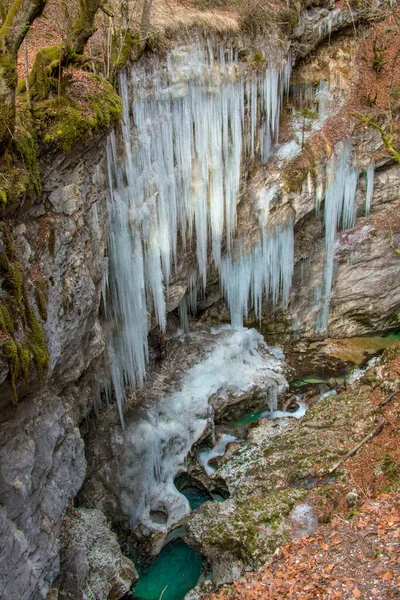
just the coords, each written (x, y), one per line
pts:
(158, 442)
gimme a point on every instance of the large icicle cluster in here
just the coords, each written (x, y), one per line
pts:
(268, 270)
(186, 128)
(158, 443)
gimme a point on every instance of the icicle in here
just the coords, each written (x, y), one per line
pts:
(340, 194)
(302, 96)
(183, 314)
(268, 270)
(369, 176)
(330, 23)
(323, 97)
(319, 191)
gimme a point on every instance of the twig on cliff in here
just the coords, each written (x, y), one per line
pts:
(367, 438)
(384, 402)
(107, 12)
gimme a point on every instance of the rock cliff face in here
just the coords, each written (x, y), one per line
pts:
(91, 562)
(61, 242)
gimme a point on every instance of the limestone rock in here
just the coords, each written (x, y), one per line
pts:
(92, 566)
(352, 499)
(42, 469)
(62, 243)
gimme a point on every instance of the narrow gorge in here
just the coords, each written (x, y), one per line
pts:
(200, 294)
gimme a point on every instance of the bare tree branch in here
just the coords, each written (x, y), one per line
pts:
(386, 137)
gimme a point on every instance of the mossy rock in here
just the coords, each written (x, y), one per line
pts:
(22, 341)
(20, 174)
(254, 529)
(64, 121)
(41, 82)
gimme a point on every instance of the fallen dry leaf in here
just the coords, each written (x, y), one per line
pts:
(386, 575)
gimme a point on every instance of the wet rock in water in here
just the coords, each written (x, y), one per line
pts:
(231, 449)
(290, 403)
(352, 499)
(332, 383)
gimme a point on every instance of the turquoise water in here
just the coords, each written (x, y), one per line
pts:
(248, 418)
(174, 572)
(195, 496)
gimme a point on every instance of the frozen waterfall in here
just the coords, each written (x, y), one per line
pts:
(191, 122)
(174, 177)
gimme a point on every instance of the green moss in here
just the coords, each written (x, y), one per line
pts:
(41, 80)
(308, 113)
(8, 68)
(6, 320)
(22, 339)
(255, 528)
(388, 466)
(19, 170)
(41, 299)
(19, 362)
(121, 46)
(256, 58)
(10, 271)
(65, 121)
(288, 17)
(293, 178)
(36, 342)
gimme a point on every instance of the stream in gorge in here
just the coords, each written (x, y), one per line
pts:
(177, 568)
(174, 572)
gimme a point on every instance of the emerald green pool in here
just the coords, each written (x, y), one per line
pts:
(196, 497)
(248, 418)
(174, 572)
